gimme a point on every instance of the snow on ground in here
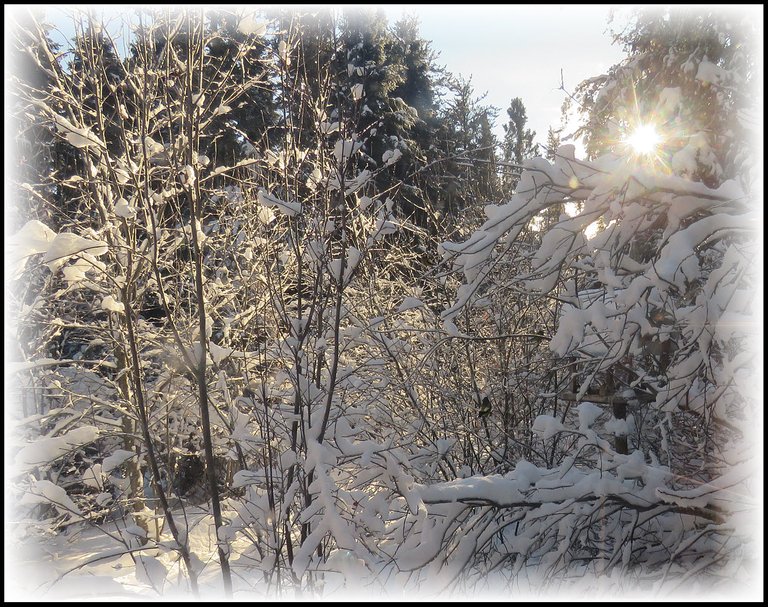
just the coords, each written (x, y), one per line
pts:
(88, 561)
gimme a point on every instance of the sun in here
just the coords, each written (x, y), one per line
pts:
(644, 140)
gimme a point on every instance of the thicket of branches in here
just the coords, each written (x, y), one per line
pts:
(275, 267)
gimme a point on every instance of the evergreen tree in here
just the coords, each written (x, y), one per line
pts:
(470, 148)
(371, 76)
(35, 158)
(688, 77)
(487, 144)
(553, 142)
(551, 215)
(94, 50)
(414, 120)
(237, 52)
(518, 140)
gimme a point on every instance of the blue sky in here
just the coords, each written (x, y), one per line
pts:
(519, 50)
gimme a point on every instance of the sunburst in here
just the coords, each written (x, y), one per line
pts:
(644, 131)
(644, 140)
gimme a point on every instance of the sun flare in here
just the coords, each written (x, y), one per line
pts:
(644, 140)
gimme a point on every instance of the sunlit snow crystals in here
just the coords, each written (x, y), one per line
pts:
(76, 271)
(66, 245)
(390, 157)
(265, 215)
(122, 175)
(124, 209)
(78, 137)
(451, 328)
(273, 202)
(284, 52)
(35, 237)
(249, 25)
(357, 91)
(409, 303)
(365, 202)
(326, 128)
(384, 227)
(344, 148)
(110, 304)
(188, 176)
(315, 178)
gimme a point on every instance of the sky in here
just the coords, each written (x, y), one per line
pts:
(519, 51)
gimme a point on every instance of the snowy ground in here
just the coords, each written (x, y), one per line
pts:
(87, 561)
(89, 564)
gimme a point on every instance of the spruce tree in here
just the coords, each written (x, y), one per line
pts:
(518, 140)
